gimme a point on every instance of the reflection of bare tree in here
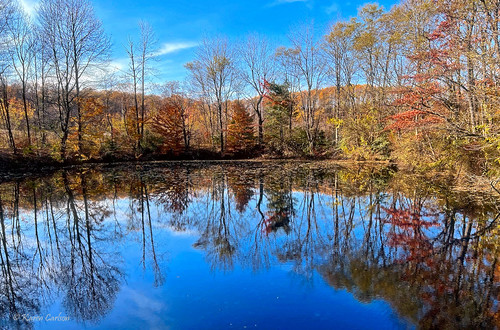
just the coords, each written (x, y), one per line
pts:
(141, 221)
(217, 237)
(18, 290)
(159, 278)
(90, 281)
(430, 253)
(260, 243)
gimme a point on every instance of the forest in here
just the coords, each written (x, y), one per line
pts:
(416, 85)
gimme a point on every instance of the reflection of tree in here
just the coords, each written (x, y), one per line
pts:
(280, 206)
(430, 252)
(90, 281)
(305, 236)
(241, 186)
(141, 221)
(433, 275)
(218, 237)
(159, 278)
(18, 290)
(173, 191)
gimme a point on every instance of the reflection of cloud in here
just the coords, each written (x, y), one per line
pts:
(281, 2)
(150, 310)
(171, 47)
(29, 6)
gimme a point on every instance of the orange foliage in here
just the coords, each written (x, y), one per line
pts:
(169, 124)
(240, 135)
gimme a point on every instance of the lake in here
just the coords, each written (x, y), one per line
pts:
(255, 245)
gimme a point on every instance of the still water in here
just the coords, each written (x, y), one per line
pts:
(238, 245)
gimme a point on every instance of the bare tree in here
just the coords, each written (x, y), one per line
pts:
(214, 74)
(258, 68)
(7, 11)
(340, 66)
(78, 44)
(140, 58)
(134, 75)
(21, 55)
(307, 58)
(41, 71)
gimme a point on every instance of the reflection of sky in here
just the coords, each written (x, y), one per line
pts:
(192, 270)
(197, 295)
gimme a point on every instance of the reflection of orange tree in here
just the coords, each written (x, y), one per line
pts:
(241, 186)
(174, 190)
(411, 237)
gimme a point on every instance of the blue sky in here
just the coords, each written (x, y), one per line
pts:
(180, 25)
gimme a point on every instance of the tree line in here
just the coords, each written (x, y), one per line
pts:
(418, 79)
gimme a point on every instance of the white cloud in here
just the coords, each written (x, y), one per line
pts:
(171, 47)
(281, 2)
(29, 6)
(119, 64)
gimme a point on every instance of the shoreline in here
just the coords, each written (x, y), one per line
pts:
(18, 169)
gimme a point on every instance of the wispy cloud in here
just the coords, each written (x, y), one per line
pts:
(282, 2)
(119, 64)
(171, 47)
(333, 8)
(29, 6)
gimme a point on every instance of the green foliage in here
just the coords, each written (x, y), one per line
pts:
(298, 142)
(152, 141)
(278, 110)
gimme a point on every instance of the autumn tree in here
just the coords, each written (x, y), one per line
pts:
(94, 125)
(240, 133)
(178, 101)
(169, 124)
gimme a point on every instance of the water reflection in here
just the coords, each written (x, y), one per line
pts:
(428, 251)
